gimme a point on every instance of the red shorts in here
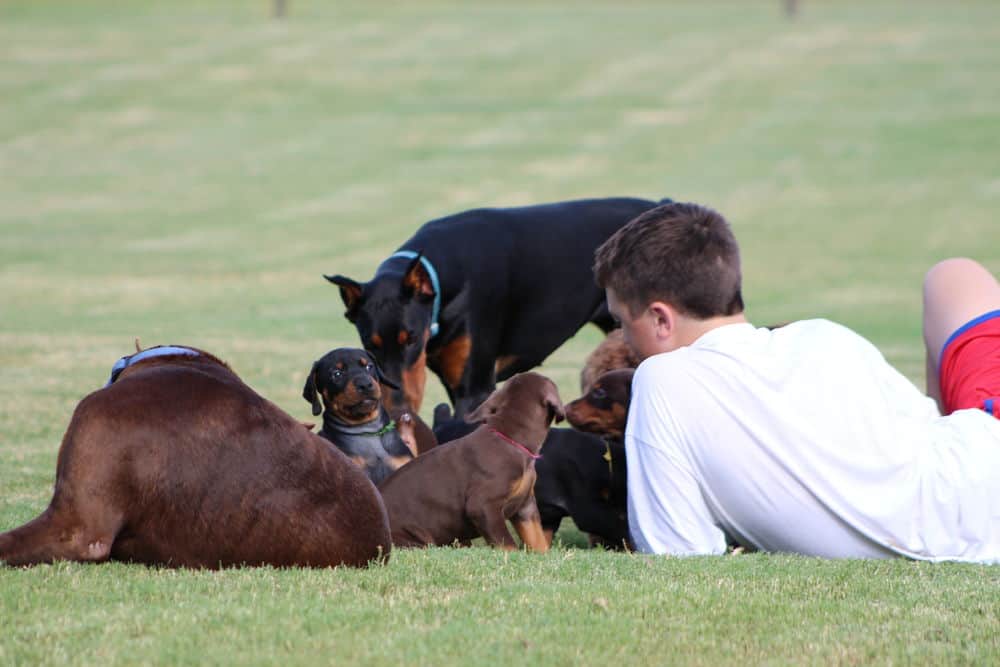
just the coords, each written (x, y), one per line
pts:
(970, 366)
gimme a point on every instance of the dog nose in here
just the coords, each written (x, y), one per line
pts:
(365, 385)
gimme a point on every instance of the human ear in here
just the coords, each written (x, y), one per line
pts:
(664, 320)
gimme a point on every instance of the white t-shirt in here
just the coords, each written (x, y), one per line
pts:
(804, 439)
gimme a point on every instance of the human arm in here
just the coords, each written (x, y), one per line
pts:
(666, 504)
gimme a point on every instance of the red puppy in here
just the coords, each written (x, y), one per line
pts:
(470, 487)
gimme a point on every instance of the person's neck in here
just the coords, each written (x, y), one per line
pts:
(691, 329)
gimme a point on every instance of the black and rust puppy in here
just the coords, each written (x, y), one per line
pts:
(484, 294)
(603, 412)
(177, 462)
(346, 386)
(578, 476)
(472, 486)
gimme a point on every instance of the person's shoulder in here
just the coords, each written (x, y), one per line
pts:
(816, 328)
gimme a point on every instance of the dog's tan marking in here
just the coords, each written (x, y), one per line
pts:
(531, 533)
(452, 359)
(403, 337)
(521, 488)
(376, 340)
(342, 403)
(503, 363)
(414, 378)
(397, 462)
(549, 534)
(360, 460)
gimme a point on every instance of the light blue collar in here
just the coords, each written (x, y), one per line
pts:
(409, 254)
(159, 351)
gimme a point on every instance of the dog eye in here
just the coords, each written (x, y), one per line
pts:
(370, 367)
(598, 393)
(338, 374)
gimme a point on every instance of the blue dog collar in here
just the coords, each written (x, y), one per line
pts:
(159, 351)
(409, 254)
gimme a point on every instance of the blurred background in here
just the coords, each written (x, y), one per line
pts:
(185, 172)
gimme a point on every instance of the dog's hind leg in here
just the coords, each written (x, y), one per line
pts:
(490, 523)
(50, 537)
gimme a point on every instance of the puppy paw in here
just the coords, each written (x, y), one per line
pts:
(407, 433)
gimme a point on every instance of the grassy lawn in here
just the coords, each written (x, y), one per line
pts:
(185, 171)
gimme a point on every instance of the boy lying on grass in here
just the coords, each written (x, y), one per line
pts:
(802, 439)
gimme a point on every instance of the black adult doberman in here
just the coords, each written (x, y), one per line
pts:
(484, 294)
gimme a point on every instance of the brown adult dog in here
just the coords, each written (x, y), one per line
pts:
(178, 462)
(610, 354)
(470, 487)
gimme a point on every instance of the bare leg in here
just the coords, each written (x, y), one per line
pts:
(956, 291)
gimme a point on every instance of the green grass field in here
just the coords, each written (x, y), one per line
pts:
(185, 171)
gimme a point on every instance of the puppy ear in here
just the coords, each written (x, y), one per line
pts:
(381, 376)
(486, 409)
(551, 400)
(416, 280)
(309, 391)
(350, 293)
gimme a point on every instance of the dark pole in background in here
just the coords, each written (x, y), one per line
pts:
(280, 8)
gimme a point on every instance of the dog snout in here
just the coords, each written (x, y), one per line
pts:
(366, 386)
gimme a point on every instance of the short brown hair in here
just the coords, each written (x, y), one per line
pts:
(680, 253)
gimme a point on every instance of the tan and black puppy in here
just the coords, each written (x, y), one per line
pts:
(346, 386)
(603, 410)
(472, 486)
(177, 462)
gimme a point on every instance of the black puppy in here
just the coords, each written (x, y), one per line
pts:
(484, 294)
(349, 383)
(579, 475)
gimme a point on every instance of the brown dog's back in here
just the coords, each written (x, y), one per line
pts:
(180, 463)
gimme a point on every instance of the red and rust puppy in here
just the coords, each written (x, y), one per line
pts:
(581, 476)
(610, 354)
(346, 386)
(177, 462)
(484, 294)
(470, 487)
